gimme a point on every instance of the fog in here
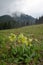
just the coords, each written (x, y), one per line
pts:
(30, 7)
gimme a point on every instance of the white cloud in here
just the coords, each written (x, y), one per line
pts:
(30, 7)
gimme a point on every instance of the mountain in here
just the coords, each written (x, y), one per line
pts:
(7, 22)
(16, 20)
(20, 17)
(5, 18)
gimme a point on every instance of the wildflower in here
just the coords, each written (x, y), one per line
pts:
(30, 40)
(22, 39)
(12, 37)
(26, 42)
(21, 35)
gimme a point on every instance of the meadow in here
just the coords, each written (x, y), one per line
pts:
(34, 31)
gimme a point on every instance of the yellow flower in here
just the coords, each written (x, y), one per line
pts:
(21, 35)
(12, 37)
(30, 40)
(26, 42)
(22, 39)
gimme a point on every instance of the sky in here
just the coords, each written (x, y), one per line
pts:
(29, 7)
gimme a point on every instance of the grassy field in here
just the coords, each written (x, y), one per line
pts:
(35, 31)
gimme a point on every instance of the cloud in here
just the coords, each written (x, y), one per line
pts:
(4, 6)
(30, 7)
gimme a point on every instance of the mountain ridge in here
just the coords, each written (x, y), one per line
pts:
(21, 18)
(8, 22)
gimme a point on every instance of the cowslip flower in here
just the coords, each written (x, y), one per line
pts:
(12, 37)
(26, 42)
(21, 35)
(22, 39)
(30, 39)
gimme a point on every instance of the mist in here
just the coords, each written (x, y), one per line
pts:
(29, 7)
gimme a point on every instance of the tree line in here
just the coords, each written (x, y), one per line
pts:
(39, 21)
(9, 24)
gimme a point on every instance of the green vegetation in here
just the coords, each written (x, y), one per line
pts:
(34, 30)
(8, 22)
(22, 49)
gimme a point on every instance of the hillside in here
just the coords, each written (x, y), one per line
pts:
(36, 30)
(15, 21)
(20, 17)
(9, 53)
(5, 18)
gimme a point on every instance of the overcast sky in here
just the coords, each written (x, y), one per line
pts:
(30, 7)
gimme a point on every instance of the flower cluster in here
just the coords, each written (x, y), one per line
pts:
(12, 37)
(21, 39)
